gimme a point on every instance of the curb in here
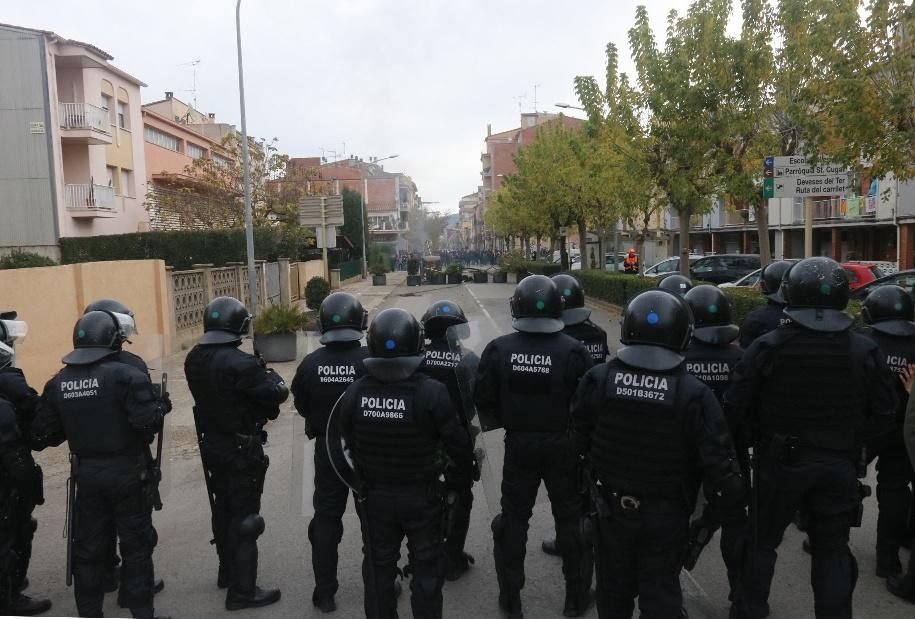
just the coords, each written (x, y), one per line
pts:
(610, 308)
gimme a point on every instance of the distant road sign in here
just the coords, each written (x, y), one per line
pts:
(310, 211)
(803, 186)
(796, 177)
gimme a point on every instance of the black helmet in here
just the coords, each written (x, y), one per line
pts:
(816, 290)
(119, 309)
(96, 335)
(675, 284)
(225, 320)
(441, 315)
(341, 318)
(537, 306)
(890, 310)
(396, 344)
(770, 280)
(711, 315)
(656, 329)
(574, 311)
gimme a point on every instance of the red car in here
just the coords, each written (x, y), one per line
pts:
(860, 273)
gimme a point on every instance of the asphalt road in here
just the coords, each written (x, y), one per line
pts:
(187, 562)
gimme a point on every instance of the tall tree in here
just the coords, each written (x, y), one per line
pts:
(353, 213)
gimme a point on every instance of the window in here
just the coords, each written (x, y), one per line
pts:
(106, 105)
(221, 161)
(126, 184)
(160, 138)
(113, 178)
(122, 115)
(195, 151)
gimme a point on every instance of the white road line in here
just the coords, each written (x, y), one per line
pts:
(483, 309)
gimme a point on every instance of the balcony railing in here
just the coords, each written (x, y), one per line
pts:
(92, 197)
(84, 116)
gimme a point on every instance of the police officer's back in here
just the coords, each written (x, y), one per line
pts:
(15, 475)
(577, 318)
(771, 315)
(234, 396)
(395, 420)
(810, 391)
(526, 380)
(712, 352)
(320, 380)
(651, 433)
(888, 312)
(107, 411)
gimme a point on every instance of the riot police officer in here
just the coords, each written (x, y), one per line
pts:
(772, 315)
(675, 284)
(24, 399)
(107, 411)
(128, 327)
(234, 396)
(651, 433)
(441, 363)
(888, 312)
(526, 381)
(577, 320)
(319, 381)
(15, 473)
(394, 421)
(711, 357)
(810, 392)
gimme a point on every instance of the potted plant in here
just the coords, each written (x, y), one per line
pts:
(453, 272)
(413, 278)
(480, 276)
(378, 271)
(513, 262)
(275, 331)
(436, 277)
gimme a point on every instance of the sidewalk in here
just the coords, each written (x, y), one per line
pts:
(372, 296)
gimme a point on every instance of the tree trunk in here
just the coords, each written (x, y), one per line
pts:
(563, 254)
(539, 239)
(583, 243)
(684, 241)
(601, 261)
(762, 229)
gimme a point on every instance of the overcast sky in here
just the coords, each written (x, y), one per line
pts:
(417, 78)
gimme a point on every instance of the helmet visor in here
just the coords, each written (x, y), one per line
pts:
(6, 355)
(126, 324)
(16, 330)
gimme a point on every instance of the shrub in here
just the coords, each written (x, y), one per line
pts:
(280, 319)
(413, 266)
(316, 290)
(544, 268)
(25, 260)
(615, 288)
(378, 269)
(379, 260)
(454, 268)
(513, 262)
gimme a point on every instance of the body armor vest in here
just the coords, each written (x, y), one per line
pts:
(90, 401)
(329, 371)
(217, 407)
(762, 320)
(395, 441)
(593, 337)
(441, 364)
(712, 364)
(534, 395)
(899, 352)
(637, 446)
(812, 390)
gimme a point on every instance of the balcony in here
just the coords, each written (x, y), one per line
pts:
(89, 200)
(84, 123)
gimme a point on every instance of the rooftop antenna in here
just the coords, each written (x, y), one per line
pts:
(344, 149)
(535, 87)
(193, 90)
(520, 98)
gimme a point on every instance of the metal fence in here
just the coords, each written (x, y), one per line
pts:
(352, 268)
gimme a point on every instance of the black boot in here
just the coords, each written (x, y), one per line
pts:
(237, 600)
(222, 576)
(510, 604)
(578, 600)
(888, 563)
(27, 606)
(457, 566)
(325, 604)
(549, 547)
(158, 586)
(243, 590)
(146, 612)
(902, 586)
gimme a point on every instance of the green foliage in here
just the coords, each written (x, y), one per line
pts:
(615, 288)
(25, 260)
(379, 260)
(454, 268)
(413, 266)
(543, 268)
(513, 262)
(280, 319)
(316, 290)
(182, 248)
(353, 212)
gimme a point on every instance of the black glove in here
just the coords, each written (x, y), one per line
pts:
(309, 430)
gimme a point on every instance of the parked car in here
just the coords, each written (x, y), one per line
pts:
(722, 268)
(905, 279)
(669, 265)
(859, 274)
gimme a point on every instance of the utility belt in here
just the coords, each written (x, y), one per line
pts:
(791, 449)
(623, 504)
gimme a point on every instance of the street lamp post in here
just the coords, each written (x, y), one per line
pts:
(571, 107)
(246, 166)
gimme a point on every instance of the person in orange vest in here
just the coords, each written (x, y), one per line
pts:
(631, 263)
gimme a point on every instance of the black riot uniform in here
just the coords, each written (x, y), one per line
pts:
(888, 311)
(234, 396)
(526, 380)
(772, 315)
(107, 411)
(443, 357)
(651, 434)
(399, 426)
(319, 381)
(577, 318)
(711, 357)
(15, 475)
(16, 390)
(809, 392)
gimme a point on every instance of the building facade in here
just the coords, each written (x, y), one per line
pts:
(72, 163)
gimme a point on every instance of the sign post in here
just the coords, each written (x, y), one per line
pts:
(322, 211)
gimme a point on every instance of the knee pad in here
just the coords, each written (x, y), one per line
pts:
(498, 526)
(251, 527)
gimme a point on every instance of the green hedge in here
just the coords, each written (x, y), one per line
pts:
(25, 260)
(543, 268)
(182, 248)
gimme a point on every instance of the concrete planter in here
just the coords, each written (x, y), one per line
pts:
(519, 275)
(414, 280)
(437, 279)
(379, 280)
(480, 277)
(276, 346)
(500, 277)
(454, 278)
